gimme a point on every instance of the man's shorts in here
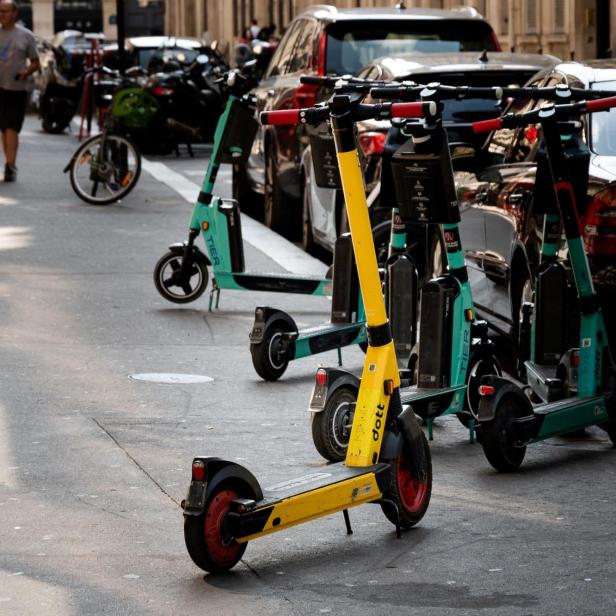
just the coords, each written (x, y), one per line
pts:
(12, 109)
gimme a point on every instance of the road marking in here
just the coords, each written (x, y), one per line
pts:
(283, 252)
(7, 474)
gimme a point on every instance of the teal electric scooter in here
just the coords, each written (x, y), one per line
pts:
(575, 386)
(181, 274)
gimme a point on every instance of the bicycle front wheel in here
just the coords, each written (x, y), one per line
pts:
(104, 171)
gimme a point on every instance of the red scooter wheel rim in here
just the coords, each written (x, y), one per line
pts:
(412, 491)
(220, 546)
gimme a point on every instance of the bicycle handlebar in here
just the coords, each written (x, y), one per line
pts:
(316, 115)
(516, 120)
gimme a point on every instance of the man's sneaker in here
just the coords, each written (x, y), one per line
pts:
(10, 173)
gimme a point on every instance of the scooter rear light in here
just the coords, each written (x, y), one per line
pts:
(198, 470)
(372, 142)
(321, 377)
(575, 359)
(599, 224)
(486, 390)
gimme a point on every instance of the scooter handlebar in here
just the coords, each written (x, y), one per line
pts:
(515, 120)
(315, 115)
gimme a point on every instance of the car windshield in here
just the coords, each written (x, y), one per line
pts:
(603, 125)
(165, 54)
(352, 45)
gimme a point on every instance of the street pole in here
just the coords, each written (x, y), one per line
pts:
(121, 34)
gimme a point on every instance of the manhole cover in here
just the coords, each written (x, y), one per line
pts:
(163, 377)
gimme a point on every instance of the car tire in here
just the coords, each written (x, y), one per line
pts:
(250, 202)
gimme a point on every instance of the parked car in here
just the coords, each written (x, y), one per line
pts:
(152, 52)
(326, 40)
(324, 215)
(502, 206)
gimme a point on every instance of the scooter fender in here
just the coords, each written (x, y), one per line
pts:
(218, 471)
(334, 379)
(265, 317)
(488, 403)
(409, 430)
(179, 247)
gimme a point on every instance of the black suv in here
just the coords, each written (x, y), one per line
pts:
(328, 41)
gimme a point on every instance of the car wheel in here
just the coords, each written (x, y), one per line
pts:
(250, 202)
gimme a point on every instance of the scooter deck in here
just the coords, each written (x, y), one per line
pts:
(555, 418)
(275, 283)
(311, 496)
(429, 403)
(327, 337)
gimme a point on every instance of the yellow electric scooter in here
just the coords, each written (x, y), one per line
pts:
(388, 458)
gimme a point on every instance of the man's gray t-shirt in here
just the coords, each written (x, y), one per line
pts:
(17, 45)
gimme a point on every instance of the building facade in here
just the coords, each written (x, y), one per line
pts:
(579, 29)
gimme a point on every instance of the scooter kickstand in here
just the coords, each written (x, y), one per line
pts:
(471, 431)
(430, 432)
(215, 291)
(347, 521)
(339, 356)
(397, 512)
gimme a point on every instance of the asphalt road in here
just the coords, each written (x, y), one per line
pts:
(93, 463)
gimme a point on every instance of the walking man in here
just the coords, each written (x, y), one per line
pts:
(18, 60)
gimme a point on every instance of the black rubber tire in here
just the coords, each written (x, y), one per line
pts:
(56, 114)
(496, 438)
(331, 428)
(478, 366)
(273, 201)
(267, 367)
(400, 486)
(308, 243)
(204, 534)
(173, 261)
(122, 192)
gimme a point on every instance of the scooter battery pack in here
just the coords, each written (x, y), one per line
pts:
(436, 332)
(240, 131)
(324, 160)
(231, 210)
(557, 324)
(345, 288)
(424, 184)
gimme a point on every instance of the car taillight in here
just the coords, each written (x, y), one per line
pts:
(161, 91)
(318, 63)
(599, 224)
(198, 470)
(305, 96)
(497, 45)
(372, 142)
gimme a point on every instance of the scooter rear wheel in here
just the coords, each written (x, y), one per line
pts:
(410, 495)
(267, 360)
(497, 438)
(331, 427)
(207, 540)
(173, 289)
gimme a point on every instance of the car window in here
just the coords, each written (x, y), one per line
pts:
(302, 54)
(352, 45)
(603, 125)
(280, 59)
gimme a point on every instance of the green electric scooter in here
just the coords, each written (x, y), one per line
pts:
(575, 386)
(181, 274)
(275, 339)
(454, 350)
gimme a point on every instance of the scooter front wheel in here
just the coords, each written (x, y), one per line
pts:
(178, 287)
(268, 356)
(497, 438)
(410, 495)
(331, 427)
(206, 536)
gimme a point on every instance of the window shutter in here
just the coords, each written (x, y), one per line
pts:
(530, 16)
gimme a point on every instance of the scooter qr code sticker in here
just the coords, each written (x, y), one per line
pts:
(586, 342)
